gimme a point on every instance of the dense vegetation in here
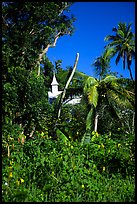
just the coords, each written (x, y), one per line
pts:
(88, 153)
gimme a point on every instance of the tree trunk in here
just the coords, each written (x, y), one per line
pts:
(64, 91)
(96, 122)
(133, 123)
(64, 6)
(130, 72)
(46, 50)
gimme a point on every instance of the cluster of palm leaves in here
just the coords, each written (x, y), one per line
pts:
(121, 45)
(107, 91)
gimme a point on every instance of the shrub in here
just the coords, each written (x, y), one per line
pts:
(63, 171)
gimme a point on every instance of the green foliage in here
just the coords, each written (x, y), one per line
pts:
(25, 100)
(28, 27)
(73, 121)
(90, 89)
(45, 160)
(60, 171)
(61, 136)
(108, 99)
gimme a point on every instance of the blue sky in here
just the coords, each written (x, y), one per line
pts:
(95, 21)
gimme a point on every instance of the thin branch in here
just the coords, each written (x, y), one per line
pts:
(49, 45)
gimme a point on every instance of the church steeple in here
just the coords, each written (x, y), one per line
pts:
(54, 87)
(54, 84)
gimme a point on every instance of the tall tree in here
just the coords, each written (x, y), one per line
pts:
(123, 44)
(30, 29)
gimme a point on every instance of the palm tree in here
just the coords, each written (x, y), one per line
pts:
(123, 44)
(101, 94)
(102, 63)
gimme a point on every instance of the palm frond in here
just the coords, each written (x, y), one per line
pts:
(122, 41)
(91, 81)
(61, 136)
(109, 38)
(110, 78)
(89, 119)
(89, 127)
(86, 138)
(115, 42)
(93, 95)
(81, 75)
(109, 52)
(114, 29)
(121, 33)
(122, 26)
(128, 29)
(118, 58)
(120, 96)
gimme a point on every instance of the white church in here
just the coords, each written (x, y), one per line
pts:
(54, 93)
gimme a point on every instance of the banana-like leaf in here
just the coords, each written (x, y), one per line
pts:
(90, 89)
(89, 124)
(91, 81)
(110, 78)
(93, 95)
(86, 138)
(61, 136)
(81, 74)
(89, 119)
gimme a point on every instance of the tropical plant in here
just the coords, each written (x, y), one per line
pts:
(102, 63)
(43, 170)
(106, 93)
(123, 44)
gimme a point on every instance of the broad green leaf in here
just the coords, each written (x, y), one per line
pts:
(86, 138)
(93, 95)
(89, 119)
(90, 89)
(91, 81)
(61, 136)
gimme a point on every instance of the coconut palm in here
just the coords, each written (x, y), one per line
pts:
(101, 94)
(123, 44)
(102, 63)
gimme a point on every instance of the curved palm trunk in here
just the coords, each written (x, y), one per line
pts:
(64, 91)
